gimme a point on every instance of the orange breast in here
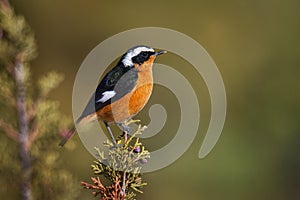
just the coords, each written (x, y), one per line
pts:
(130, 104)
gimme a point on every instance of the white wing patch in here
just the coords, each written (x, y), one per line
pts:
(134, 52)
(106, 96)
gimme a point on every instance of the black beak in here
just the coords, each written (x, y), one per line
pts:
(157, 53)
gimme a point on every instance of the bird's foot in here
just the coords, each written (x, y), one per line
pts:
(125, 127)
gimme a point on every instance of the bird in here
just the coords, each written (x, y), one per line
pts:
(123, 91)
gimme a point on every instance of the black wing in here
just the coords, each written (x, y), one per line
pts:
(120, 79)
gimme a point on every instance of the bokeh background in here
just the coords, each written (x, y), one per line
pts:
(255, 44)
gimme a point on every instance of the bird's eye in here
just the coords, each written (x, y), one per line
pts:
(144, 54)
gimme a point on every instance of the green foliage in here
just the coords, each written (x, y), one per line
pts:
(48, 179)
(121, 164)
(10, 169)
(18, 37)
(48, 82)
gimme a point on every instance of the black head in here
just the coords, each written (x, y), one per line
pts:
(138, 55)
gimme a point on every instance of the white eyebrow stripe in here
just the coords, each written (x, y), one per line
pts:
(106, 96)
(134, 52)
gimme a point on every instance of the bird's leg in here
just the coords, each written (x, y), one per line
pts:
(111, 134)
(125, 130)
(124, 127)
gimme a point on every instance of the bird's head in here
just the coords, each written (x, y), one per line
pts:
(140, 57)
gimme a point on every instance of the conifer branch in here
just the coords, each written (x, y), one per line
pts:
(30, 117)
(122, 167)
(23, 129)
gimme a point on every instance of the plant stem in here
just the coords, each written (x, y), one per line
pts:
(23, 129)
(124, 173)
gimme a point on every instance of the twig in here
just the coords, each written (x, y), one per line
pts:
(9, 130)
(34, 133)
(96, 186)
(124, 183)
(5, 4)
(124, 173)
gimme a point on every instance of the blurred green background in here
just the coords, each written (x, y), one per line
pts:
(256, 46)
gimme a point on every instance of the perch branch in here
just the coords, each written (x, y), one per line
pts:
(125, 133)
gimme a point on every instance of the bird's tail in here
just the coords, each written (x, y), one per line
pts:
(66, 136)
